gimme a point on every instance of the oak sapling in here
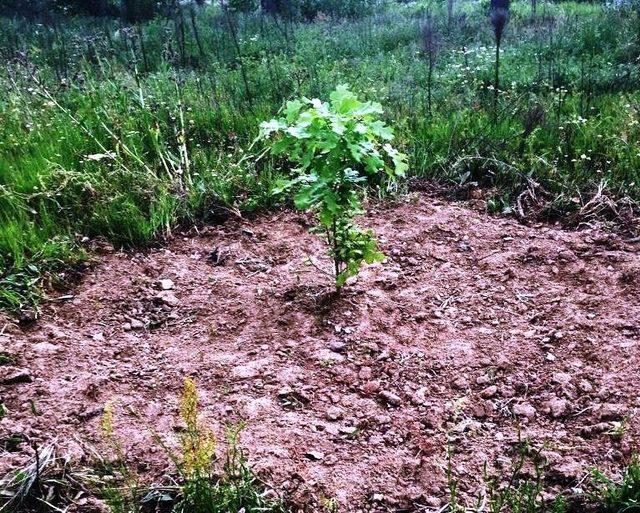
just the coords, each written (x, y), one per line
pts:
(338, 148)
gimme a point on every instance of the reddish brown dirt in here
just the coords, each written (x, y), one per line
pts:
(474, 326)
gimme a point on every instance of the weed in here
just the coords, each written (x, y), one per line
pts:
(205, 484)
(6, 358)
(618, 496)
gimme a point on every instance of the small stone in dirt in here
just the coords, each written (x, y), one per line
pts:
(433, 502)
(585, 386)
(330, 460)
(90, 413)
(285, 391)
(489, 391)
(136, 324)
(166, 284)
(595, 429)
(562, 378)
(365, 373)
(168, 298)
(431, 420)
(314, 455)
(371, 387)
(27, 316)
(611, 411)
(337, 346)
(98, 337)
(384, 355)
(126, 326)
(569, 470)
(56, 333)
(482, 380)
(461, 383)
(558, 407)
(550, 357)
(524, 410)
(45, 347)
(421, 316)
(381, 419)
(334, 413)
(390, 398)
(419, 397)
(20, 376)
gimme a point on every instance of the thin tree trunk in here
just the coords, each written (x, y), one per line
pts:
(196, 34)
(496, 84)
(236, 44)
(429, 79)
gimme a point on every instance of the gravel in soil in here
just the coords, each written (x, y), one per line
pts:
(475, 331)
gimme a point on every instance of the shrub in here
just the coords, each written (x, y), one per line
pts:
(338, 148)
(243, 5)
(309, 10)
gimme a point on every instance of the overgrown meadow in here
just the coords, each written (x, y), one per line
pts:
(127, 132)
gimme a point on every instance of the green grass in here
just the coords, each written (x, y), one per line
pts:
(618, 496)
(124, 133)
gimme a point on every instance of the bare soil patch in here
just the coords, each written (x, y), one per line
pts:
(475, 329)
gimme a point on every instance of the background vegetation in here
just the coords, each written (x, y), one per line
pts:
(119, 128)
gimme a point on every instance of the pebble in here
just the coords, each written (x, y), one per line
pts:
(595, 429)
(166, 284)
(419, 397)
(558, 407)
(90, 413)
(461, 383)
(365, 373)
(490, 391)
(337, 346)
(20, 376)
(585, 386)
(136, 324)
(524, 410)
(611, 411)
(390, 398)
(334, 413)
(314, 455)
(45, 347)
(168, 298)
(569, 470)
(421, 316)
(483, 380)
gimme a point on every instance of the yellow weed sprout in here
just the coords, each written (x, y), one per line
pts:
(107, 421)
(198, 444)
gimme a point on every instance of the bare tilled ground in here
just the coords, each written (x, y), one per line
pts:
(476, 330)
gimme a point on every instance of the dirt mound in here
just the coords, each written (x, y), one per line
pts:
(476, 328)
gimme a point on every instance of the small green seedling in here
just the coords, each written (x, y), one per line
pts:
(338, 148)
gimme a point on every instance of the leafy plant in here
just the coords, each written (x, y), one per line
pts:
(339, 148)
(618, 496)
(206, 482)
